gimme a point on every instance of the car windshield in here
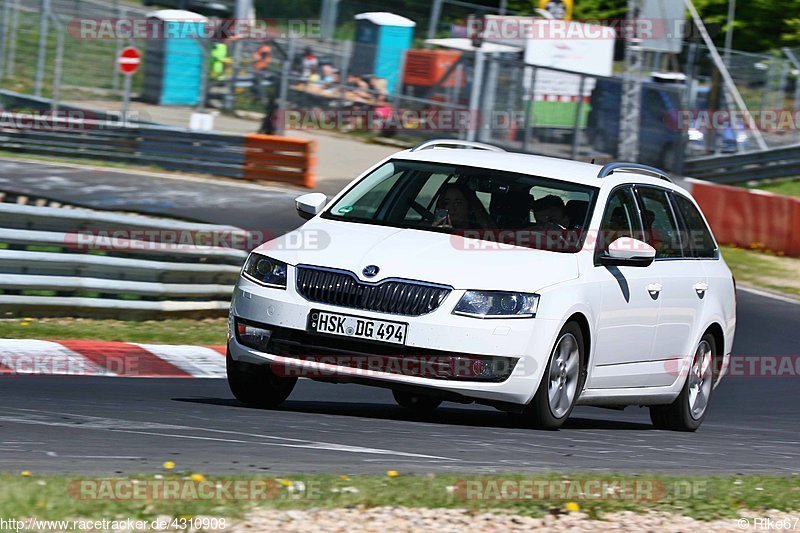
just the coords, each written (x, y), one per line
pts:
(484, 204)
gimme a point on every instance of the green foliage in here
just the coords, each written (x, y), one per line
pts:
(759, 24)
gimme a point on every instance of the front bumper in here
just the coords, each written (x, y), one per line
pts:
(529, 340)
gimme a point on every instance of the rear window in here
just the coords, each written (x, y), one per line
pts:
(696, 236)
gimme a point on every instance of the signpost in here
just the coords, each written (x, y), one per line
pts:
(127, 63)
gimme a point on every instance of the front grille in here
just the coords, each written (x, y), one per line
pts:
(342, 288)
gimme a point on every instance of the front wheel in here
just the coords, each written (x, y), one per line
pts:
(561, 384)
(257, 385)
(687, 412)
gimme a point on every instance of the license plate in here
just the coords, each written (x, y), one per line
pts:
(357, 327)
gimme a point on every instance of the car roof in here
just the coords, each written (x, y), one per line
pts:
(534, 165)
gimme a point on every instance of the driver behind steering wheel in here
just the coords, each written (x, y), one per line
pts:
(551, 213)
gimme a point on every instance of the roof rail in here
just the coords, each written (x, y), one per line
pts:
(456, 143)
(610, 168)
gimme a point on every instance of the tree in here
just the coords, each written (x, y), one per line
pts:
(760, 24)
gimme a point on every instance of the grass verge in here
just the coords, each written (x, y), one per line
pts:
(764, 270)
(785, 187)
(6, 154)
(57, 497)
(208, 331)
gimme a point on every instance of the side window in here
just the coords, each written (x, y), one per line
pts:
(661, 230)
(696, 234)
(620, 219)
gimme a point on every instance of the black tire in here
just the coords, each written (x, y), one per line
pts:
(256, 385)
(678, 416)
(539, 413)
(416, 402)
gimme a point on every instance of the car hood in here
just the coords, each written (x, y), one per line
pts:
(421, 255)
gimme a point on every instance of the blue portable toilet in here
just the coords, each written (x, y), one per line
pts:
(173, 63)
(381, 40)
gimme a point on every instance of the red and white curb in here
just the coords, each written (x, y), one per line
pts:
(102, 358)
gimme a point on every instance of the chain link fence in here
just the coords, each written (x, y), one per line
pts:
(431, 92)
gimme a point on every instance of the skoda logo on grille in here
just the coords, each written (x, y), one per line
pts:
(371, 271)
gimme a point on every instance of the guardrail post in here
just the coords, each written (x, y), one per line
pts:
(42, 53)
(59, 64)
(577, 129)
(3, 34)
(527, 134)
(12, 35)
(286, 72)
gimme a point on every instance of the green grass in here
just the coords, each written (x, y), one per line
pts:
(704, 498)
(209, 331)
(89, 161)
(786, 187)
(764, 270)
(87, 63)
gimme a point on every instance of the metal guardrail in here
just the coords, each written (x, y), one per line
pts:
(183, 150)
(250, 157)
(56, 261)
(734, 168)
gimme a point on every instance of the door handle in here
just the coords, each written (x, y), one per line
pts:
(700, 288)
(654, 289)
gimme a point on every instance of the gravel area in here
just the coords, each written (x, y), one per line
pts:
(396, 519)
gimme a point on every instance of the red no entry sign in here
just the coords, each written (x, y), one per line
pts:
(128, 60)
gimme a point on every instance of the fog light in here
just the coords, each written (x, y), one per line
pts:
(482, 369)
(252, 336)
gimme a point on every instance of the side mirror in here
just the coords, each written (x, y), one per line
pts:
(627, 251)
(311, 204)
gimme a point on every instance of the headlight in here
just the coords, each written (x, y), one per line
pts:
(265, 270)
(497, 304)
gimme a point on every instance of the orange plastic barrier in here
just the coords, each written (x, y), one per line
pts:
(426, 67)
(751, 218)
(276, 158)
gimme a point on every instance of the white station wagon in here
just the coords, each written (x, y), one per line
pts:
(455, 271)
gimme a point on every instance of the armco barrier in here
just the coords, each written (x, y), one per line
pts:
(747, 217)
(777, 162)
(79, 262)
(275, 158)
(251, 157)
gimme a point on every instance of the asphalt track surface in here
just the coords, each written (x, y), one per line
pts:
(252, 207)
(107, 425)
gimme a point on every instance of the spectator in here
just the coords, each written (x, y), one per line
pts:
(310, 62)
(261, 60)
(219, 58)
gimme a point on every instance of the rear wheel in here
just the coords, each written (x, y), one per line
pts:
(416, 402)
(688, 410)
(257, 385)
(561, 384)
